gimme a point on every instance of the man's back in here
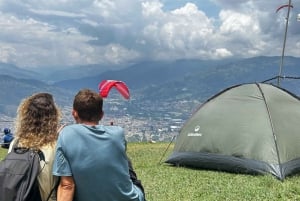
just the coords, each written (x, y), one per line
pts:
(96, 158)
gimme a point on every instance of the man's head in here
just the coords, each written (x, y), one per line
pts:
(87, 106)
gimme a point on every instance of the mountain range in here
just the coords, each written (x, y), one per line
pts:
(154, 82)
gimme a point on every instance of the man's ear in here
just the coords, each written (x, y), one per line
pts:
(101, 115)
(75, 114)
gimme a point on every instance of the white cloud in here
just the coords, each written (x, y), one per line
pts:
(7, 53)
(180, 32)
(34, 43)
(56, 13)
(117, 54)
(222, 53)
(242, 33)
(239, 23)
(40, 33)
(152, 9)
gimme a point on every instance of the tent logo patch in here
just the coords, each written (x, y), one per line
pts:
(197, 128)
(195, 133)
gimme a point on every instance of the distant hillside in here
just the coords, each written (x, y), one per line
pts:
(13, 90)
(144, 74)
(68, 73)
(192, 79)
(14, 71)
(55, 74)
(154, 83)
(204, 84)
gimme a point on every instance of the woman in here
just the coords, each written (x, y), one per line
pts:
(36, 127)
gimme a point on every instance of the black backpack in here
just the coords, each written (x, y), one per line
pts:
(18, 175)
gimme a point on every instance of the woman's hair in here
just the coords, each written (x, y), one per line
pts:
(37, 121)
(88, 105)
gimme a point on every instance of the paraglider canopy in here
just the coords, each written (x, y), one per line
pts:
(106, 85)
(286, 5)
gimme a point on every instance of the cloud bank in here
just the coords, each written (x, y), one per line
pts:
(43, 33)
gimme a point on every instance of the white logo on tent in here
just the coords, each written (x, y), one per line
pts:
(196, 133)
(197, 128)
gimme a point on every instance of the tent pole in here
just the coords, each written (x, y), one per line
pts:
(281, 176)
(284, 42)
(166, 150)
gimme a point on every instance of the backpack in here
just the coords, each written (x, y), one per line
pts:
(18, 175)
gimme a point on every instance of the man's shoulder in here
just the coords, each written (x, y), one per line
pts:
(80, 128)
(68, 130)
(71, 127)
(116, 129)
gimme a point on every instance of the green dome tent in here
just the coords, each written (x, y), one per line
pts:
(249, 128)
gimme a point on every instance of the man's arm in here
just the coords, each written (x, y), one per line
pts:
(66, 189)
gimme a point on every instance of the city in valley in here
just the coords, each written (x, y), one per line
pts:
(143, 122)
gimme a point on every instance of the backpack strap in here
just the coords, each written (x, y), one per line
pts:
(41, 155)
(53, 189)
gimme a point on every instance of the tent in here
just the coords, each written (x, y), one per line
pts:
(251, 128)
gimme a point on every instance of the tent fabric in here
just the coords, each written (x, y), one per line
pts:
(249, 128)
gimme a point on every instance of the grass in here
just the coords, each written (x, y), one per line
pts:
(163, 182)
(167, 183)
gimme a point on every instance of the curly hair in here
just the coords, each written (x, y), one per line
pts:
(37, 121)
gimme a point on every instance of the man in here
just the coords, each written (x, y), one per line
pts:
(7, 138)
(91, 159)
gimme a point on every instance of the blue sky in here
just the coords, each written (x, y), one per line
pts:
(43, 33)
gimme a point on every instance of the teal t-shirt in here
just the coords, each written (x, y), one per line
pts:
(96, 158)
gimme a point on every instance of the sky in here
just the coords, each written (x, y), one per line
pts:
(48, 33)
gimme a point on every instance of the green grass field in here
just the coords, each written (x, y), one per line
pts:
(167, 183)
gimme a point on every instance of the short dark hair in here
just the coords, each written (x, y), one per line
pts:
(88, 104)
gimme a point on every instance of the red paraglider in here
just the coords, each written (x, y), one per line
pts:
(286, 5)
(106, 85)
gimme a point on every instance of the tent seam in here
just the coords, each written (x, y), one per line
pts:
(273, 132)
